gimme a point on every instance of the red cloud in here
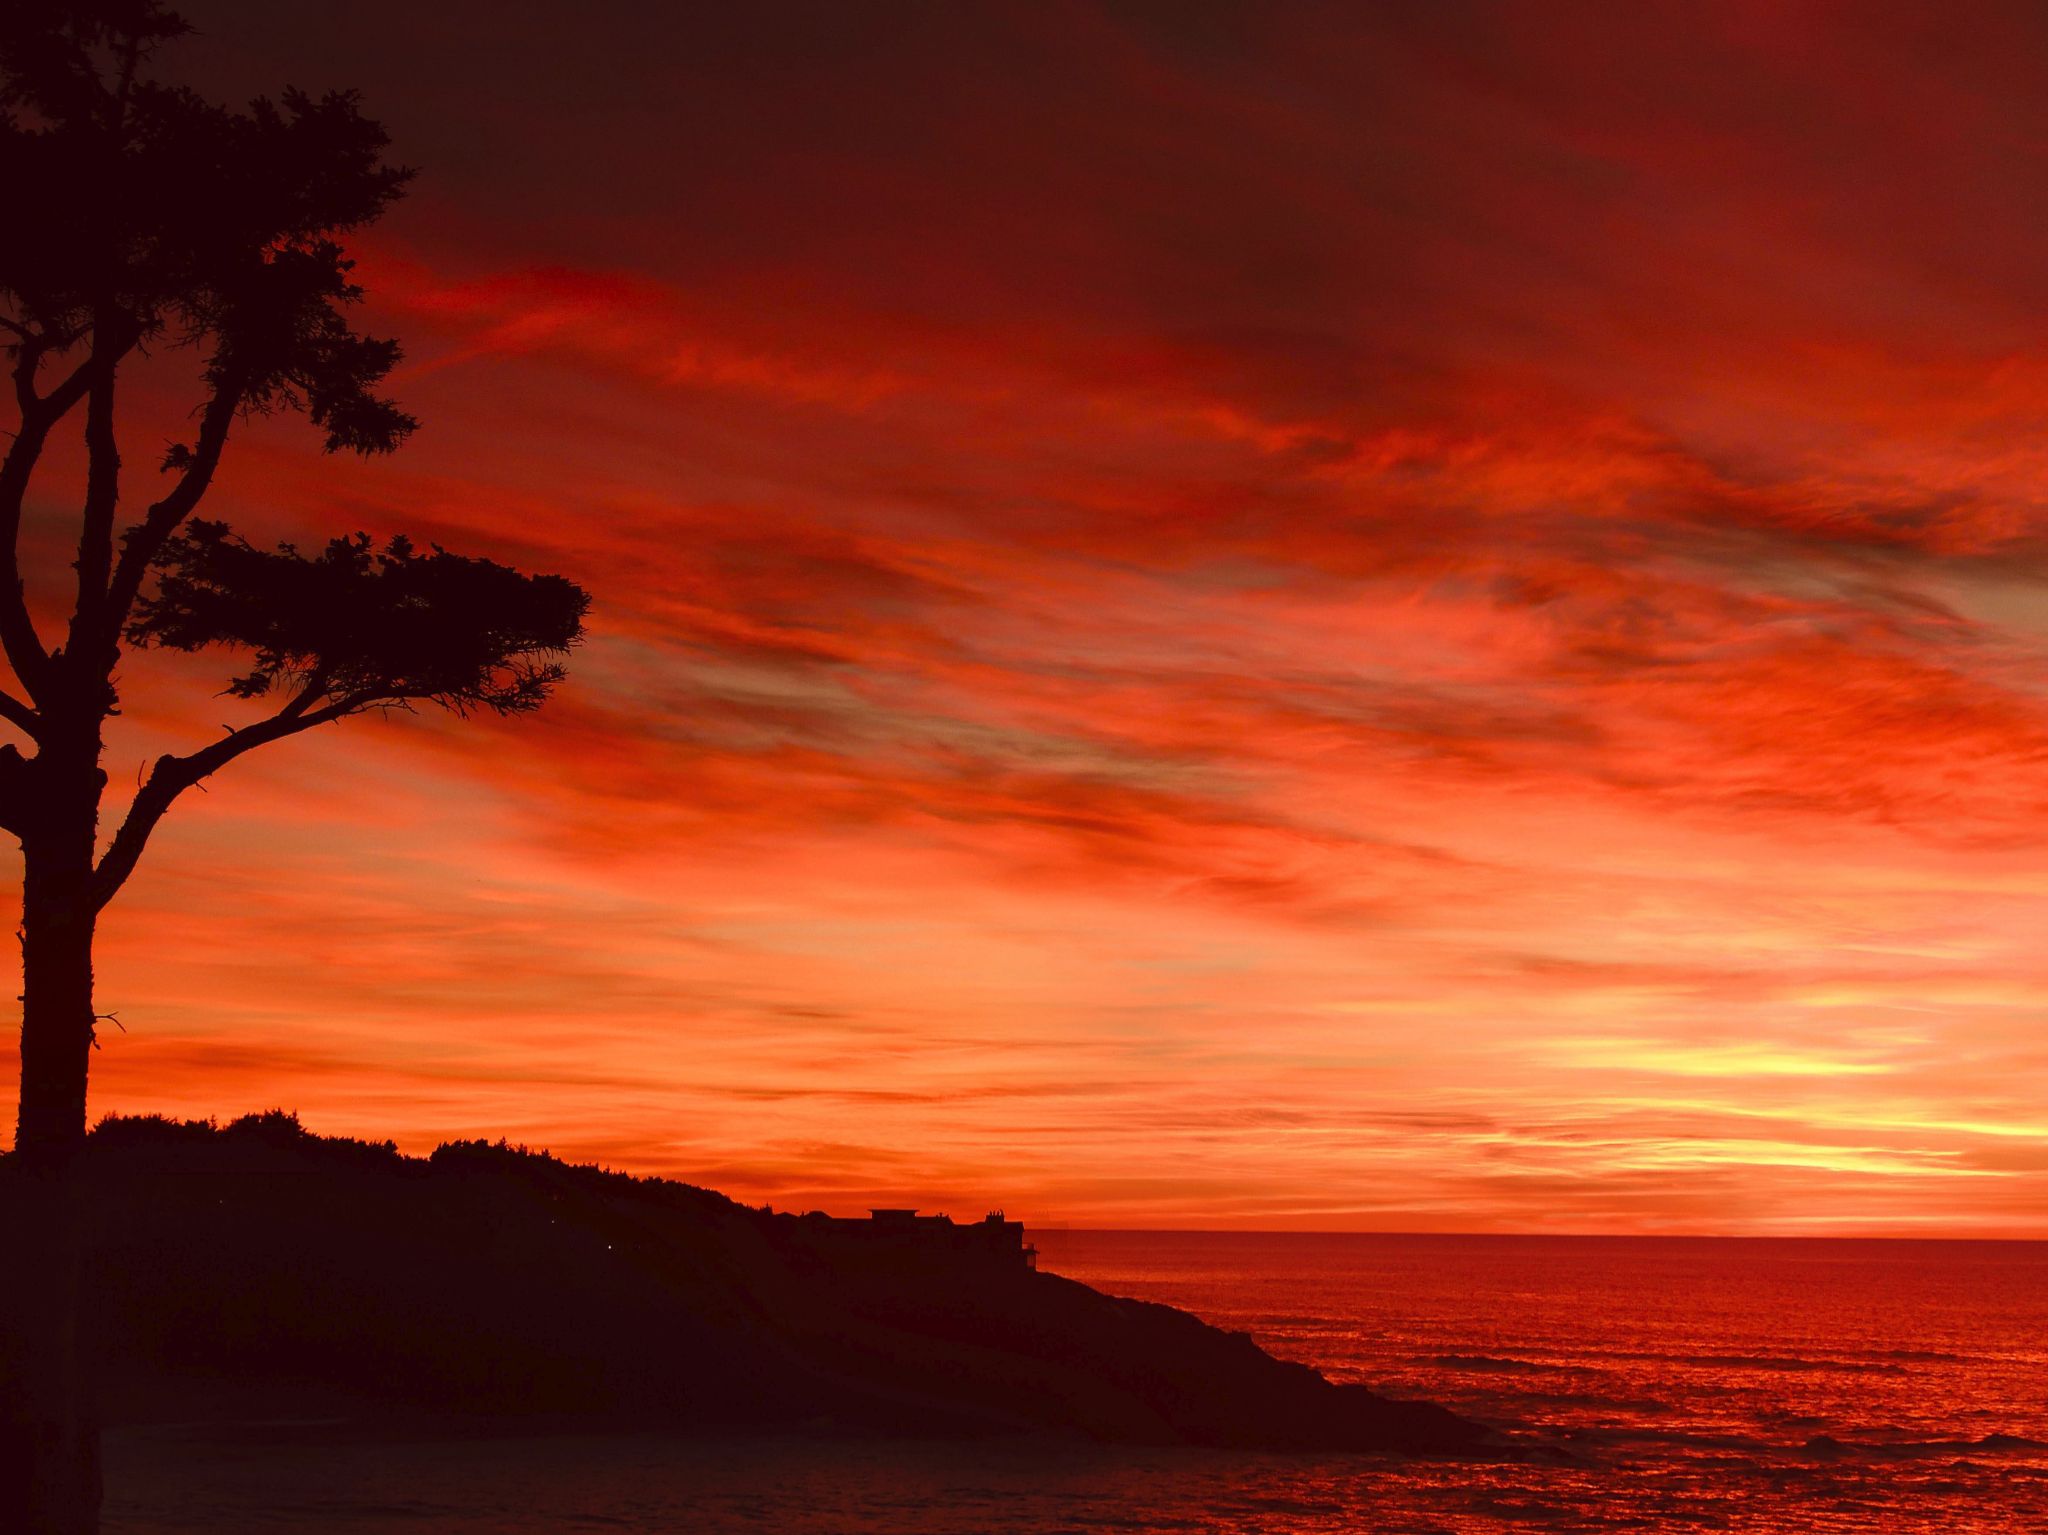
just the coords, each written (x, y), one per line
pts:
(1424, 609)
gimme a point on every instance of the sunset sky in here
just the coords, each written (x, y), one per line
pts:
(1397, 617)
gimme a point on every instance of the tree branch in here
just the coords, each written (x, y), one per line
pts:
(112, 336)
(39, 413)
(28, 360)
(30, 351)
(16, 792)
(172, 776)
(139, 545)
(21, 716)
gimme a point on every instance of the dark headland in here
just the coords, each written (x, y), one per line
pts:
(505, 1284)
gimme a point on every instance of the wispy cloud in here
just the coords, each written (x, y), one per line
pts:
(1389, 624)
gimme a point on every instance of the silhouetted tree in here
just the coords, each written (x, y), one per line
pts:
(137, 216)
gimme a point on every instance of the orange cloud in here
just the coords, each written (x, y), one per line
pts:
(1389, 624)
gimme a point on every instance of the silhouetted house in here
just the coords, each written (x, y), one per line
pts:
(908, 1235)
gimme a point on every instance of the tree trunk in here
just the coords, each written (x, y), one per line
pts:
(49, 1422)
(56, 1002)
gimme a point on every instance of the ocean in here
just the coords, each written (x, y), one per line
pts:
(1675, 1384)
(1660, 1384)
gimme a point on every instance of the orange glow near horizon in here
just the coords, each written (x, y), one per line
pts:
(1414, 620)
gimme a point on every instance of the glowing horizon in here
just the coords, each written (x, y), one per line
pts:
(1340, 621)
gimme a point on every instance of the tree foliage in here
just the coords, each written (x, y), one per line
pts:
(143, 216)
(156, 214)
(356, 622)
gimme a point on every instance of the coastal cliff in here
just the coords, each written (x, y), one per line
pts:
(492, 1281)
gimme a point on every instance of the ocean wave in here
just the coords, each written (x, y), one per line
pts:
(1620, 1435)
(1791, 1362)
(1827, 1447)
(1821, 1447)
(1787, 1363)
(1487, 1362)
